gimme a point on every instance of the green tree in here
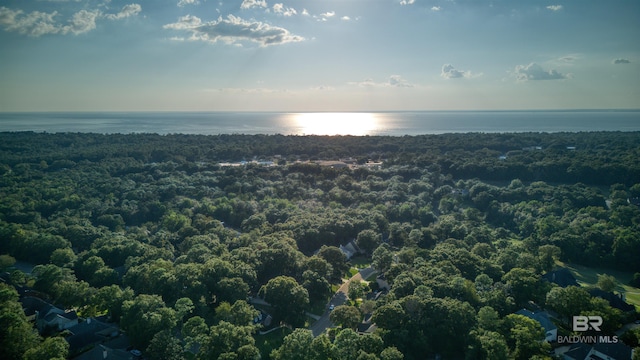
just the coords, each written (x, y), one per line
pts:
(368, 240)
(164, 346)
(295, 346)
(391, 353)
(226, 339)
(16, 333)
(569, 301)
(144, 316)
(52, 348)
(346, 316)
(382, 258)
(288, 298)
(525, 336)
(607, 282)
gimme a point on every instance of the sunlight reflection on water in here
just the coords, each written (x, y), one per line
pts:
(336, 123)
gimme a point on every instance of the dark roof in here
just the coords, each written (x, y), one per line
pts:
(89, 332)
(613, 299)
(32, 304)
(578, 351)
(562, 277)
(542, 317)
(614, 350)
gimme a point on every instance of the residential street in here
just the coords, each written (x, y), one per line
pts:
(339, 298)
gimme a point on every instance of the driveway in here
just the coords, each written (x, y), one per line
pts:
(339, 298)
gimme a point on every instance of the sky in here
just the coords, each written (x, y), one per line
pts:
(318, 55)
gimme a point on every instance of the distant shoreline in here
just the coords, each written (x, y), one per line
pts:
(389, 123)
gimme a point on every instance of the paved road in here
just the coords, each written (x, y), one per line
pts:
(339, 298)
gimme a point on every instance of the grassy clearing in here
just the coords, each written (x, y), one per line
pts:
(588, 276)
(360, 262)
(273, 340)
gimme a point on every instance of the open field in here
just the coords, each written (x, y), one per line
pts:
(588, 276)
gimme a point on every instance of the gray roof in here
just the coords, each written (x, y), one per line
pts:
(542, 317)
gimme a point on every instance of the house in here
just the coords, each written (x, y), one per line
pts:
(103, 352)
(614, 300)
(550, 329)
(613, 351)
(366, 326)
(90, 332)
(561, 277)
(350, 249)
(48, 317)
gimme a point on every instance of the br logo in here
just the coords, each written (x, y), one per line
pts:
(586, 323)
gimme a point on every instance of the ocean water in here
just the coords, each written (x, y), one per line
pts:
(349, 123)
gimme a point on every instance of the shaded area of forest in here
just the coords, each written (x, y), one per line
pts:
(139, 224)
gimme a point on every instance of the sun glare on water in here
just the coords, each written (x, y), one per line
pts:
(337, 123)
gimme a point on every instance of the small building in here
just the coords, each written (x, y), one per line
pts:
(350, 249)
(561, 277)
(614, 300)
(613, 351)
(48, 317)
(550, 329)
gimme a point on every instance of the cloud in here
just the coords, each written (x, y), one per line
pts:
(38, 23)
(345, 18)
(534, 71)
(248, 4)
(436, 8)
(555, 7)
(182, 3)
(283, 10)
(621, 61)
(127, 11)
(450, 72)
(34, 24)
(395, 81)
(81, 22)
(233, 30)
(407, 2)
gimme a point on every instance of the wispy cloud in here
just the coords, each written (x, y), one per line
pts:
(436, 8)
(182, 3)
(621, 61)
(393, 81)
(233, 30)
(534, 71)
(127, 11)
(283, 10)
(555, 7)
(407, 2)
(450, 72)
(248, 4)
(37, 23)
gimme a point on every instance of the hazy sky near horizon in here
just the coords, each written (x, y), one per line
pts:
(318, 55)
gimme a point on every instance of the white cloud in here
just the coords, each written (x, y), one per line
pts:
(555, 7)
(248, 4)
(534, 71)
(35, 23)
(345, 18)
(127, 11)
(394, 81)
(38, 23)
(234, 30)
(305, 12)
(621, 61)
(182, 3)
(450, 72)
(81, 22)
(436, 8)
(328, 14)
(407, 2)
(283, 10)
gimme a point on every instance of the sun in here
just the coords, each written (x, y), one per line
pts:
(337, 123)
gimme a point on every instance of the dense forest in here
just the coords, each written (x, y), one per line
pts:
(172, 238)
